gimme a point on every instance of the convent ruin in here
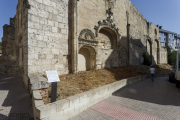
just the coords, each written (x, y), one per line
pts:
(79, 35)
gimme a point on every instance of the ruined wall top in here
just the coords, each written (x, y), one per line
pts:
(9, 30)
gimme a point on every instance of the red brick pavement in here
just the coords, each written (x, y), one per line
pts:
(120, 113)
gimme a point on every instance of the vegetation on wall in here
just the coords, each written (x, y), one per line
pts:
(0, 45)
(147, 60)
(171, 55)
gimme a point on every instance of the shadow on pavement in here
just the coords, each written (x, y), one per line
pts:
(15, 100)
(161, 92)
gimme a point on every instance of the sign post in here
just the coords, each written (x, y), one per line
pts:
(53, 91)
(53, 78)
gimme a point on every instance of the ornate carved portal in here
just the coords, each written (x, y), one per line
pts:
(88, 47)
(106, 37)
(108, 26)
(87, 38)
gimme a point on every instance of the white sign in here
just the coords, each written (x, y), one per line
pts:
(52, 76)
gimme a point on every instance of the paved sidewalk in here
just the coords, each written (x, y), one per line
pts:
(144, 100)
(15, 101)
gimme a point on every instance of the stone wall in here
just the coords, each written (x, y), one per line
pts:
(48, 36)
(163, 54)
(50, 33)
(134, 30)
(8, 40)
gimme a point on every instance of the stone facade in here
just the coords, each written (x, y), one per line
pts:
(8, 40)
(71, 36)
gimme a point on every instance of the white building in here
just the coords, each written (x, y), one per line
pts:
(169, 38)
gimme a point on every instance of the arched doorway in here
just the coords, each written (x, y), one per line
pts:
(86, 58)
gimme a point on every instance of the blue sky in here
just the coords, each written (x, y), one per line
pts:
(165, 13)
(7, 11)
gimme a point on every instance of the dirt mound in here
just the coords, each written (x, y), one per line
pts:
(163, 69)
(84, 81)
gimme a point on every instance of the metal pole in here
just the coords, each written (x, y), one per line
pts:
(53, 91)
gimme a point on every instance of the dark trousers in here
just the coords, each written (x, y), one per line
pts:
(152, 76)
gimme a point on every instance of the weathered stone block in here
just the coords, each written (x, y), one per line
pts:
(59, 19)
(38, 82)
(62, 104)
(55, 61)
(47, 110)
(82, 96)
(50, 56)
(38, 50)
(55, 51)
(42, 44)
(73, 100)
(46, 62)
(59, 67)
(47, 51)
(42, 56)
(54, 29)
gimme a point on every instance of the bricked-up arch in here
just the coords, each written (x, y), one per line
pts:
(108, 25)
(149, 47)
(86, 58)
(107, 38)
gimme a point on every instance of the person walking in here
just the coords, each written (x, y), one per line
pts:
(152, 73)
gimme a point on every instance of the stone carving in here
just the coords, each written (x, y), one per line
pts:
(87, 34)
(87, 37)
(108, 22)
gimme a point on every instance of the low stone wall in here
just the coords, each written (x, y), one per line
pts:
(71, 106)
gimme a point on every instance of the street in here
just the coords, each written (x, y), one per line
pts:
(15, 101)
(144, 100)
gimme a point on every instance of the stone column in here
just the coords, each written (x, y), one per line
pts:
(128, 37)
(158, 55)
(128, 43)
(74, 36)
(25, 44)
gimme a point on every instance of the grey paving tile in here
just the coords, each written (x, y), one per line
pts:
(160, 99)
